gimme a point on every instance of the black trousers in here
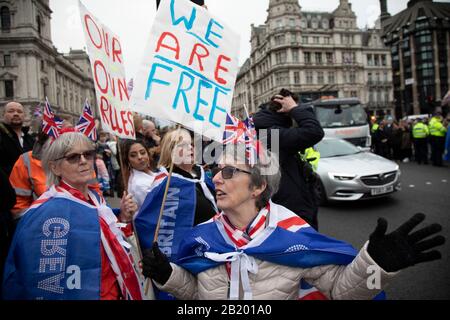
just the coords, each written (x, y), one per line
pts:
(421, 150)
(437, 150)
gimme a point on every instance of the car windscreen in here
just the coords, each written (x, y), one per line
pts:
(336, 148)
(338, 116)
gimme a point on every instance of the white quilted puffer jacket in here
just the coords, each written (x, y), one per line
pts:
(277, 282)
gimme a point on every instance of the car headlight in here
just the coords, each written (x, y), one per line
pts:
(341, 176)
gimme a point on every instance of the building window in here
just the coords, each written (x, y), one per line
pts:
(320, 79)
(329, 56)
(5, 15)
(7, 60)
(307, 57)
(331, 77)
(295, 55)
(383, 60)
(280, 57)
(280, 39)
(296, 77)
(305, 40)
(42, 65)
(9, 89)
(326, 40)
(316, 40)
(318, 56)
(352, 77)
(309, 77)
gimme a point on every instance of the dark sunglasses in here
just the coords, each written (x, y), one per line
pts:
(228, 172)
(76, 157)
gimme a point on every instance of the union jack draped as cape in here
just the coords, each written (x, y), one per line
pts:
(55, 253)
(287, 240)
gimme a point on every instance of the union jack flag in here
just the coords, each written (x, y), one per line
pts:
(234, 130)
(51, 125)
(237, 131)
(86, 124)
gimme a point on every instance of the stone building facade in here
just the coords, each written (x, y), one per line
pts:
(32, 68)
(315, 54)
(419, 39)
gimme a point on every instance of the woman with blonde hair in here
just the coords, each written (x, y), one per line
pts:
(177, 148)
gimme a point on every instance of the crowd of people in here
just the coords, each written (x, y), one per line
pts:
(421, 140)
(254, 231)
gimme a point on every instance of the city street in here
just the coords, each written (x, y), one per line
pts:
(424, 189)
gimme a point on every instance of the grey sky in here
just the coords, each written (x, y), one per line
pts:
(131, 20)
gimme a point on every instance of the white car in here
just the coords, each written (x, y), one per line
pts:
(347, 173)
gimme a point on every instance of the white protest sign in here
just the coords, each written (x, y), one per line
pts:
(105, 54)
(189, 69)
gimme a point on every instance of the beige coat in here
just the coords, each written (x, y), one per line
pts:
(277, 282)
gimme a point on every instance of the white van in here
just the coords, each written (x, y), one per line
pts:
(344, 118)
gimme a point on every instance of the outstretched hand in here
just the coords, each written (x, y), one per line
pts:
(400, 249)
(155, 265)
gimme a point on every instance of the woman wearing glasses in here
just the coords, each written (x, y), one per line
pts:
(255, 249)
(69, 245)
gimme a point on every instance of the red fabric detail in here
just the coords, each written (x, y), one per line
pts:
(294, 221)
(128, 230)
(109, 287)
(317, 295)
(131, 283)
(76, 193)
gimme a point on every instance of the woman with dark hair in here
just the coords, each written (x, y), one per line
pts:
(137, 169)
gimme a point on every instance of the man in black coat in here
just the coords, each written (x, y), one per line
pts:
(296, 190)
(14, 138)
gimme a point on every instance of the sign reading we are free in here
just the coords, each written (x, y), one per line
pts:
(189, 69)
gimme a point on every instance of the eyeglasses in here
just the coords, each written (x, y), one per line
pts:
(74, 158)
(228, 172)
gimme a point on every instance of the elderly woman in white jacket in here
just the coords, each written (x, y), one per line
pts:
(255, 249)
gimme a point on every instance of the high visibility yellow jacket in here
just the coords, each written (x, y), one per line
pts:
(312, 156)
(437, 129)
(420, 131)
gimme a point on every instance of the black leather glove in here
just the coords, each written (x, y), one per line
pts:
(155, 265)
(399, 249)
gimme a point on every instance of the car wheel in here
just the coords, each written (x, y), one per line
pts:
(321, 193)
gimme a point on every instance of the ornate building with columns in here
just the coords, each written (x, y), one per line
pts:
(32, 68)
(315, 54)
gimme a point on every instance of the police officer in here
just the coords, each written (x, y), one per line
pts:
(437, 135)
(420, 135)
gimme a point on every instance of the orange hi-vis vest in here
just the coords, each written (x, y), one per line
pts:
(28, 180)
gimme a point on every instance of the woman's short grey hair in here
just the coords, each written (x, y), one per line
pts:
(58, 149)
(265, 171)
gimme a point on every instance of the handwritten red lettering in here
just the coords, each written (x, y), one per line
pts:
(220, 67)
(161, 44)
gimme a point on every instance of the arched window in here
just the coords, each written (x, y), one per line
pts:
(5, 16)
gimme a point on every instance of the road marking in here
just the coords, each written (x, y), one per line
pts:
(429, 183)
(412, 186)
(444, 181)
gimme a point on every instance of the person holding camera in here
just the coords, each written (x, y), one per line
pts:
(296, 190)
